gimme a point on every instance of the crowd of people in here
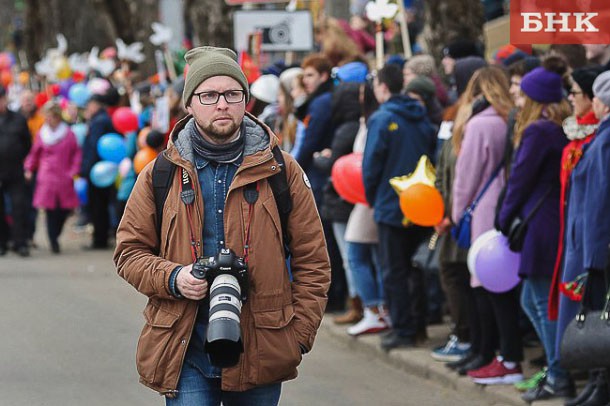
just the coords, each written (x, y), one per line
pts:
(522, 136)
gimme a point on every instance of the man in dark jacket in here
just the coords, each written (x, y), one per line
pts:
(316, 115)
(15, 143)
(99, 198)
(399, 134)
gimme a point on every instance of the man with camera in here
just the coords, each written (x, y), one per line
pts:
(227, 319)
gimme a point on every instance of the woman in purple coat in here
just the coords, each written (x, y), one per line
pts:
(56, 157)
(533, 193)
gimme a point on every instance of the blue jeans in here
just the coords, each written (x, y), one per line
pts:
(364, 265)
(194, 389)
(534, 301)
(339, 233)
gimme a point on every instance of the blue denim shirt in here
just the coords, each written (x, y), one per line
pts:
(214, 180)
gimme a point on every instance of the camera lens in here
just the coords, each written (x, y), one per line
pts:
(223, 343)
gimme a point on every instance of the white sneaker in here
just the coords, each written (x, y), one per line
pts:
(371, 323)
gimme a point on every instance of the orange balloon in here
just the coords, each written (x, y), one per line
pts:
(142, 137)
(24, 78)
(6, 78)
(422, 204)
(142, 158)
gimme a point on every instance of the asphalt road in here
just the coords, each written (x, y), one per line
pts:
(70, 327)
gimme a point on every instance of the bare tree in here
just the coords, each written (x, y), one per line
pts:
(209, 22)
(448, 20)
(88, 23)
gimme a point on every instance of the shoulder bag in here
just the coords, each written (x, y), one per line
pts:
(461, 232)
(586, 340)
(518, 227)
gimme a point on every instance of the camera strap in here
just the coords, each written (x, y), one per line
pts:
(187, 195)
(251, 195)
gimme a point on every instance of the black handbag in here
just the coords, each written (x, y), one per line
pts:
(518, 227)
(586, 340)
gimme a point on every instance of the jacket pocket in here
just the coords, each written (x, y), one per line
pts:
(278, 351)
(151, 354)
(167, 227)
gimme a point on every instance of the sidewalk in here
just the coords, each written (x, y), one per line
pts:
(418, 362)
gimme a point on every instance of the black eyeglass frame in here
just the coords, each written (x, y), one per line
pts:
(223, 94)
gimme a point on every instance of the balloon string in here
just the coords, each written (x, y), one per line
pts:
(433, 240)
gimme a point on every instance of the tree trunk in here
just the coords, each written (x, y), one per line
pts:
(88, 23)
(448, 20)
(209, 22)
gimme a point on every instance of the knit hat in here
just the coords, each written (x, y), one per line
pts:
(287, 77)
(542, 86)
(464, 69)
(265, 88)
(601, 88)
(585, 77)
(422, 86)
(461, 49)
(422, 65)
(352, 72)
(207, 62)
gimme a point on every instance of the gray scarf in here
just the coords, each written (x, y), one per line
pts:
(220, 153)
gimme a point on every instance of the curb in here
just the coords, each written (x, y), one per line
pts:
(417, 362)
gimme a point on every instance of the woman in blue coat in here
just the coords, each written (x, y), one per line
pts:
(588, 229)
(533, 192)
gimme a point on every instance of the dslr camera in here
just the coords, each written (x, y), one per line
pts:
(227, 276)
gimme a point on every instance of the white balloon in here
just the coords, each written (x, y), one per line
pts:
(476, 247)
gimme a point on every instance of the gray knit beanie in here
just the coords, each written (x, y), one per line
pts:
(206, 62)
(601, 88)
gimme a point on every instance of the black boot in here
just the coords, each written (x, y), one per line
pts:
(599, 395)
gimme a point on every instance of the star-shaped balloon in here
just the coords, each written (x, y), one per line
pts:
(379, 9)
(424, 173)
(131, 52)
(162, 34)
(419, 201)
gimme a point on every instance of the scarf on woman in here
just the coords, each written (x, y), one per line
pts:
(50, 136)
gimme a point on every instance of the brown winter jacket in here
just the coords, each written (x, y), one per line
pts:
(279, 314)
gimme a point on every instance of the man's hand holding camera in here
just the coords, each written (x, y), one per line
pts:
(189, 286)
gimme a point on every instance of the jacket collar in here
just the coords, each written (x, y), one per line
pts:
(259, 142)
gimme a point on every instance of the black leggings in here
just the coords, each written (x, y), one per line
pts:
(55, 222)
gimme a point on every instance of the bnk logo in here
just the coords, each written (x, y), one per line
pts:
(559, 22)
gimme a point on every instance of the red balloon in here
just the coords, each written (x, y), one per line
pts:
(124, 120)
(55, 89)
(40, 99)
(347, 178)
(78, 76)
(6, 78)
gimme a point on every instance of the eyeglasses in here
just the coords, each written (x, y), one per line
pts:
(230, 96)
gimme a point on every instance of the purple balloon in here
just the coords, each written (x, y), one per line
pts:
(496, 266)
(64, 88)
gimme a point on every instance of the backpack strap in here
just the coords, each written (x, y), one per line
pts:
(281, 193)
(162, 176)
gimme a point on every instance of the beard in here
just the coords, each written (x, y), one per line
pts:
(218, 134)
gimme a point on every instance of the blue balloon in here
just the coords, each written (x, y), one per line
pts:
(131, 144)
(80, 186)
(104, 173)
(79, 94)
(80, 130)
(111, 147)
